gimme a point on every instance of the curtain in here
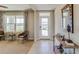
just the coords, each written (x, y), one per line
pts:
(1, 20)
(25, 19)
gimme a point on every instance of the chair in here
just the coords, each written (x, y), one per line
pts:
(2, 36)
(24, 35)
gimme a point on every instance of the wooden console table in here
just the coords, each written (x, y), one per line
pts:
(65, 44)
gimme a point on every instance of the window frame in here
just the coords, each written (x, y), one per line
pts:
(5, 22)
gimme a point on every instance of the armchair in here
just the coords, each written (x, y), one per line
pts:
(24, 35)
(2, 36)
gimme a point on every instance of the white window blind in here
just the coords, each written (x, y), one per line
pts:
(14, 23)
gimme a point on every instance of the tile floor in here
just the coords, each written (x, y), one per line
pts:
(15, 47)
(42, 47)
(46, 47)
(29, 47)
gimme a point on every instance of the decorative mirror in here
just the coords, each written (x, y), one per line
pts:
(67, 17)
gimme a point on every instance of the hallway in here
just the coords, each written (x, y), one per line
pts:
(42, 47)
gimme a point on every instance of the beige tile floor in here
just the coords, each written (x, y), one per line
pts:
(15, 47)
(46, 47)
(42, 47)
(30, 47)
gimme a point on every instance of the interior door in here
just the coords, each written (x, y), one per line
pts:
(44, 27)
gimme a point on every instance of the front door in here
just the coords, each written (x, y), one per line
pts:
(44, 27)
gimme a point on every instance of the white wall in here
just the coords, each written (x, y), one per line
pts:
(52, 24)
(75, 35)
(36, 24)
(58, 19)
(14, 13)
(30, 24)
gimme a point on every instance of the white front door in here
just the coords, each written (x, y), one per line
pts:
(44, 27)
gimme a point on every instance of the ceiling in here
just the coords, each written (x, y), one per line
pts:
(27, 6)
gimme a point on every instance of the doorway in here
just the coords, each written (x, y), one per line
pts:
(44, 27)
